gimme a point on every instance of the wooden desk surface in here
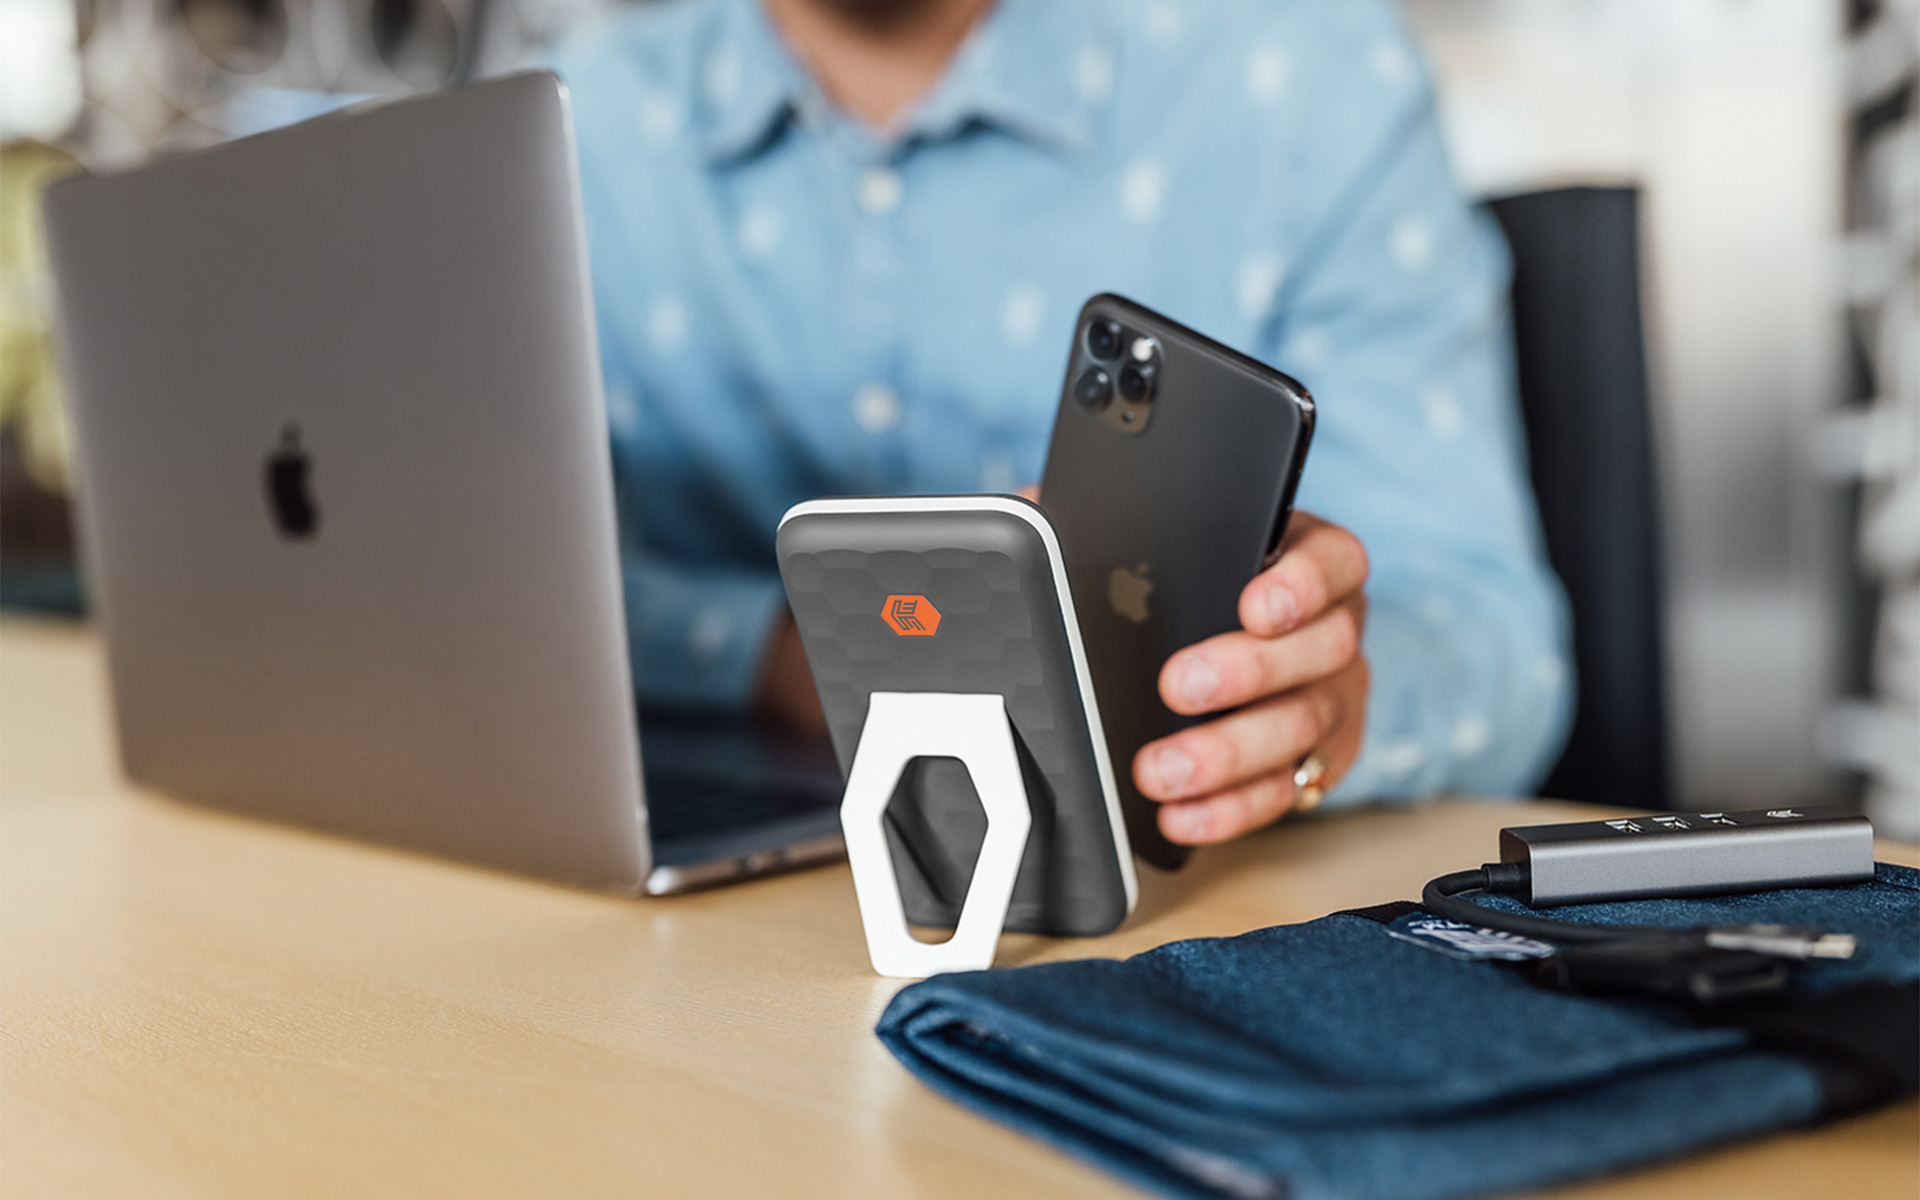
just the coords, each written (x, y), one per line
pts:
(202, 1005)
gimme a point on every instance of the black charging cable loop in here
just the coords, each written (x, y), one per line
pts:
(1701, 965)
(1441, 898)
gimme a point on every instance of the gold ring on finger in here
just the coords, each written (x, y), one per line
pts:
(1309, 782)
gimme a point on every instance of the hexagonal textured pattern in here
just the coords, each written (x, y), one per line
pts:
(1002, 630)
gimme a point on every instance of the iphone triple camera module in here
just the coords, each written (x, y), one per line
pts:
(1116, 372)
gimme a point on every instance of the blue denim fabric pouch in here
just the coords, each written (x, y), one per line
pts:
(1334, 1059)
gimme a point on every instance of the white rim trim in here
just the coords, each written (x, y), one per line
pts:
(1083, 678)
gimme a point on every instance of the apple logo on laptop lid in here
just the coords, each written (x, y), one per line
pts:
(290, 487)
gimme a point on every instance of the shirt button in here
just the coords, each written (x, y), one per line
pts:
(879, 190)
(876, 408)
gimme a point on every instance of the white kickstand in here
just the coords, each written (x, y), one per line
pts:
(903, 726)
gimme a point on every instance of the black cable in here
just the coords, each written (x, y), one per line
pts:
(1699, 964)
(1439, 898)
(1443, 898)
(1683, 964)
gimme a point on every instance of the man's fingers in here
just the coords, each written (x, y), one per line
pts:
(1238, 668)
(1226, 815)
(1319, 565)
(1265, 791)
(1232, 750)
(1237, 747)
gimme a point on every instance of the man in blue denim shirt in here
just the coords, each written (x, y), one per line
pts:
(838, 247)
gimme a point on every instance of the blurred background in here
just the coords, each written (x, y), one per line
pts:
(1769, 154)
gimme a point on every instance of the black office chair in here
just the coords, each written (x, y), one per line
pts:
(1583, 391)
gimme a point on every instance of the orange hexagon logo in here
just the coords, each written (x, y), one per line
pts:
(911, 616)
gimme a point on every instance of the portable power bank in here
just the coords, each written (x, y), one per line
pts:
(965, 594)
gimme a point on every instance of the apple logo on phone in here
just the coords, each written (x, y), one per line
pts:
(290, 489)
(1127, 592)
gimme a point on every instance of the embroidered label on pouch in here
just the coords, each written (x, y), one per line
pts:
(1470, 943)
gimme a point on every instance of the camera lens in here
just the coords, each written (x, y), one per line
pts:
(1136, 382)
(1103, 338)
(1094, 389)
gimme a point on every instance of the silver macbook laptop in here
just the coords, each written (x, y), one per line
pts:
(347, 504)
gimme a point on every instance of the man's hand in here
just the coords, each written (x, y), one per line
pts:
(1294, 678)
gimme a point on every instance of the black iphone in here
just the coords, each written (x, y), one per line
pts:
(1170, 481)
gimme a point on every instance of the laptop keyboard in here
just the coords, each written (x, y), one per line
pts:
(711, 781)
(681, 808)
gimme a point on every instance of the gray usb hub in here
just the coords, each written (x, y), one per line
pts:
(1681, 854)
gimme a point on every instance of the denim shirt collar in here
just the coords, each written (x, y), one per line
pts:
(747, 83)
(1008, 75)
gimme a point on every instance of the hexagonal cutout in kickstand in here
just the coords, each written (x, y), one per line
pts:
(935, 826)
